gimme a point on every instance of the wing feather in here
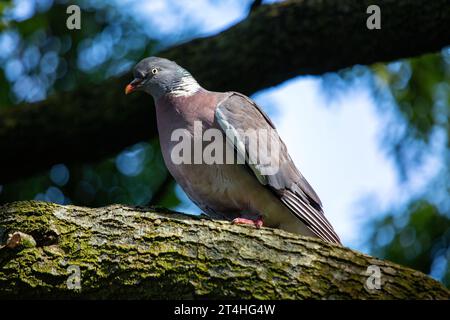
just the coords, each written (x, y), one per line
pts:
(236, 114)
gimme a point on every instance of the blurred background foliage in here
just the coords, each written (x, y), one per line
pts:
(38, 58)
(417, 233)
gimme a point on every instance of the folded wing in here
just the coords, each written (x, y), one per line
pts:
(238, 116)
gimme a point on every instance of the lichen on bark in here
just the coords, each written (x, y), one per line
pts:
(132, 252)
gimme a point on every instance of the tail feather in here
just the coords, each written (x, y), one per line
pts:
(314, 219)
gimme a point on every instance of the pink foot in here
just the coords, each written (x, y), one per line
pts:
(258, 223)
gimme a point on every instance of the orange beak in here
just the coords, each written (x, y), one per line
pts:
(132, 86)
(129, 88)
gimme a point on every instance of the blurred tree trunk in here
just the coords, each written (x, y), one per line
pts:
(54, 251)
(275, 43)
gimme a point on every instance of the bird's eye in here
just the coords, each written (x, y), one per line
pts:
(154, 71)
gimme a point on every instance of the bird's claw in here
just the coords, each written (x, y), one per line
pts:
(258, 223)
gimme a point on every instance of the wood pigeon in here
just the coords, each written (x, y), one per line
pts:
(238, 191)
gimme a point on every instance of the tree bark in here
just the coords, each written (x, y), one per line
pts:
(275, 43)
(148, 253)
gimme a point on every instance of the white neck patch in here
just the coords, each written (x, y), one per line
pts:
(186, 87)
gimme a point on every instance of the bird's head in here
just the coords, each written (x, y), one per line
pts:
(158, 76)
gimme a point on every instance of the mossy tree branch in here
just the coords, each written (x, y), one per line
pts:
(275, 43)
(125, 252)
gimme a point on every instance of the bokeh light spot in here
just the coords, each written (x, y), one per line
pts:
(9, 41)
(130, 162)
(59, 174)
(53, 194)
(31, 57)
(385, 235)
(49, 62)
(13, 69)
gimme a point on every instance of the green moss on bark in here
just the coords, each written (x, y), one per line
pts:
(126, 252)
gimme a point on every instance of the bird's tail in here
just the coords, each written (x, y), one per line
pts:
(312, 217)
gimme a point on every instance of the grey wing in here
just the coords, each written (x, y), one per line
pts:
(238, 116)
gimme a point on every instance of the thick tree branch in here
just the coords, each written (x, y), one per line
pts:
(124, 252)
(275, 43)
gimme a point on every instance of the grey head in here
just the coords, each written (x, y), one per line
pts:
(158, 76)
